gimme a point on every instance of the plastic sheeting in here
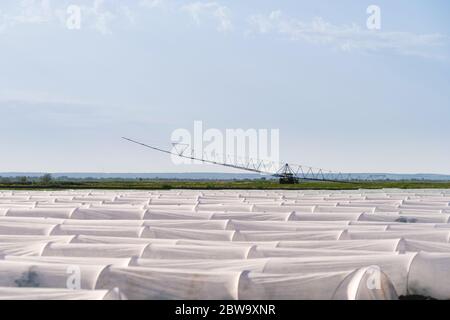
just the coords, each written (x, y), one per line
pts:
(225, 244)
(73, 261)
(163, 284)
(395, 266)
(346, 285)
(7, 293)
(46, 275)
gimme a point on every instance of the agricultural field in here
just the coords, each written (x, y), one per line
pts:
(156, 184)
(225, 244)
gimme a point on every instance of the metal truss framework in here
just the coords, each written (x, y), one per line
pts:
(287, 173)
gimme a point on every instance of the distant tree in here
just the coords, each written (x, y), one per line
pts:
(5, 180)
(23, 180)
(46, 178)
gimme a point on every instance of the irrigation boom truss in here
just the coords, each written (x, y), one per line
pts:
(287, 173)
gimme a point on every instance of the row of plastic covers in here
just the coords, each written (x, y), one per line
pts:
(189, 244)
(80, 210)
(275, 278)
(440, 235)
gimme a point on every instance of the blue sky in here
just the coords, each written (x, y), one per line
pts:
(343, 97)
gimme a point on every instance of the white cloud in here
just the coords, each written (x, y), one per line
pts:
(29, 12)
(346, 37)
(210, 10)
(33, 11)
(152, 3)
(128, 14)
(97, 15)
(264, 24)
(100, 14)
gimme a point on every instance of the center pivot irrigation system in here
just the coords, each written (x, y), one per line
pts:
(287, 173)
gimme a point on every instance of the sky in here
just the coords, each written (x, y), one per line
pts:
(343, 97)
